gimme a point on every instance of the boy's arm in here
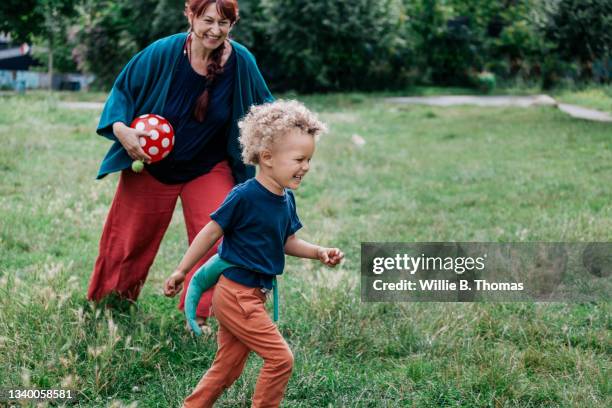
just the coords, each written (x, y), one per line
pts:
(302, 249)
(201, 244)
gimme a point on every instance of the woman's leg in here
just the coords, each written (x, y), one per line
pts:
(136, 223)
(200, 198)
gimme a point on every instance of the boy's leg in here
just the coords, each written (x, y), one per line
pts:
(199, 198)
(241, 310)
(226, 368)
(139, 216)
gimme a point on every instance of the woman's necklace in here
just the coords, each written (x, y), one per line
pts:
(188, 52)
(187, 48)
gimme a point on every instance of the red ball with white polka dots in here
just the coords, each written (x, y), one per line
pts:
(161, 141)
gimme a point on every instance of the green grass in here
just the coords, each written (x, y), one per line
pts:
(424, 174)
(591, 97)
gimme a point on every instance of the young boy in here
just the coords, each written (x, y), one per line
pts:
(258, 222)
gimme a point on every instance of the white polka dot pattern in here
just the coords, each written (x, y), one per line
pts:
(160, 141)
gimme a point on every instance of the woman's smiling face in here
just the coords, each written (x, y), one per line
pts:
(211, 28)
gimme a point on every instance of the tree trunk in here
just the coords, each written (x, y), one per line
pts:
(50, 64)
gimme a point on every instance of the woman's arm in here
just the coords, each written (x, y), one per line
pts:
(140, 83)
(302, 249)
(201, 244)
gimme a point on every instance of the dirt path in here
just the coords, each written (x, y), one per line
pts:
(497, 101)
(82, 105)
(486, 101)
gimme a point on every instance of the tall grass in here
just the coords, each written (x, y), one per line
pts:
(424, 174)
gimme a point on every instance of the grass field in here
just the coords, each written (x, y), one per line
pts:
(595, 98)
(424, 174)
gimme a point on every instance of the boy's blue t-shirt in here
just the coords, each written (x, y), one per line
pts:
(256, 224)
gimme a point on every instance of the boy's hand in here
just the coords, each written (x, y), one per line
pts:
(330, 256)
(174, 283)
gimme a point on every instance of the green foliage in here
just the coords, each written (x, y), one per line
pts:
(167, 18)
(26, 19)
(581, 30)
(111, 32)
(448, 42)
(149, 20)
(460, 38)
(63, 37)
(45, 23)
(334, 44)
(486, 81)
(21, 25)
(520, 49)
(330, 45)
(104, 43)
(251, 28)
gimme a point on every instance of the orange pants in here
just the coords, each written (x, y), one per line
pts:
(244, 326)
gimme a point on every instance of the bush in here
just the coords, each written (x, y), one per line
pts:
(331, 45)
(486, 81)
(580, 29)
(111, 32)
(104, 44)
(345, 45)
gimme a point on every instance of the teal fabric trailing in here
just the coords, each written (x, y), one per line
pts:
(203, 279)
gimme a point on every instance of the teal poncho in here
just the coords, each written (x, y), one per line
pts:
(142, 87)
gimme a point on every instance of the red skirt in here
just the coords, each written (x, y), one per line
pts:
(139, 216)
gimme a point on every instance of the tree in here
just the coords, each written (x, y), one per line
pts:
(251, 29)
(581, 30)
(168, 18)
(18, 17)
(111, 32)
(450, 41)
(333, 44)
(31, 19)
(103, 44)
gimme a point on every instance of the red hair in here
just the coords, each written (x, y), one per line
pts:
(227, 9)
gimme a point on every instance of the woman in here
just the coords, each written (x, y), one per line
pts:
(203, 83)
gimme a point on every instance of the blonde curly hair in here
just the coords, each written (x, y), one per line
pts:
(266, 124)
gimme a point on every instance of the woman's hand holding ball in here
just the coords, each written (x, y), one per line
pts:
(130, 139)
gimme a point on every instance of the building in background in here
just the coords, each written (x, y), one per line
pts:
(16, 63)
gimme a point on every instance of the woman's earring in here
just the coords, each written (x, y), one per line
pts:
(187, 42)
